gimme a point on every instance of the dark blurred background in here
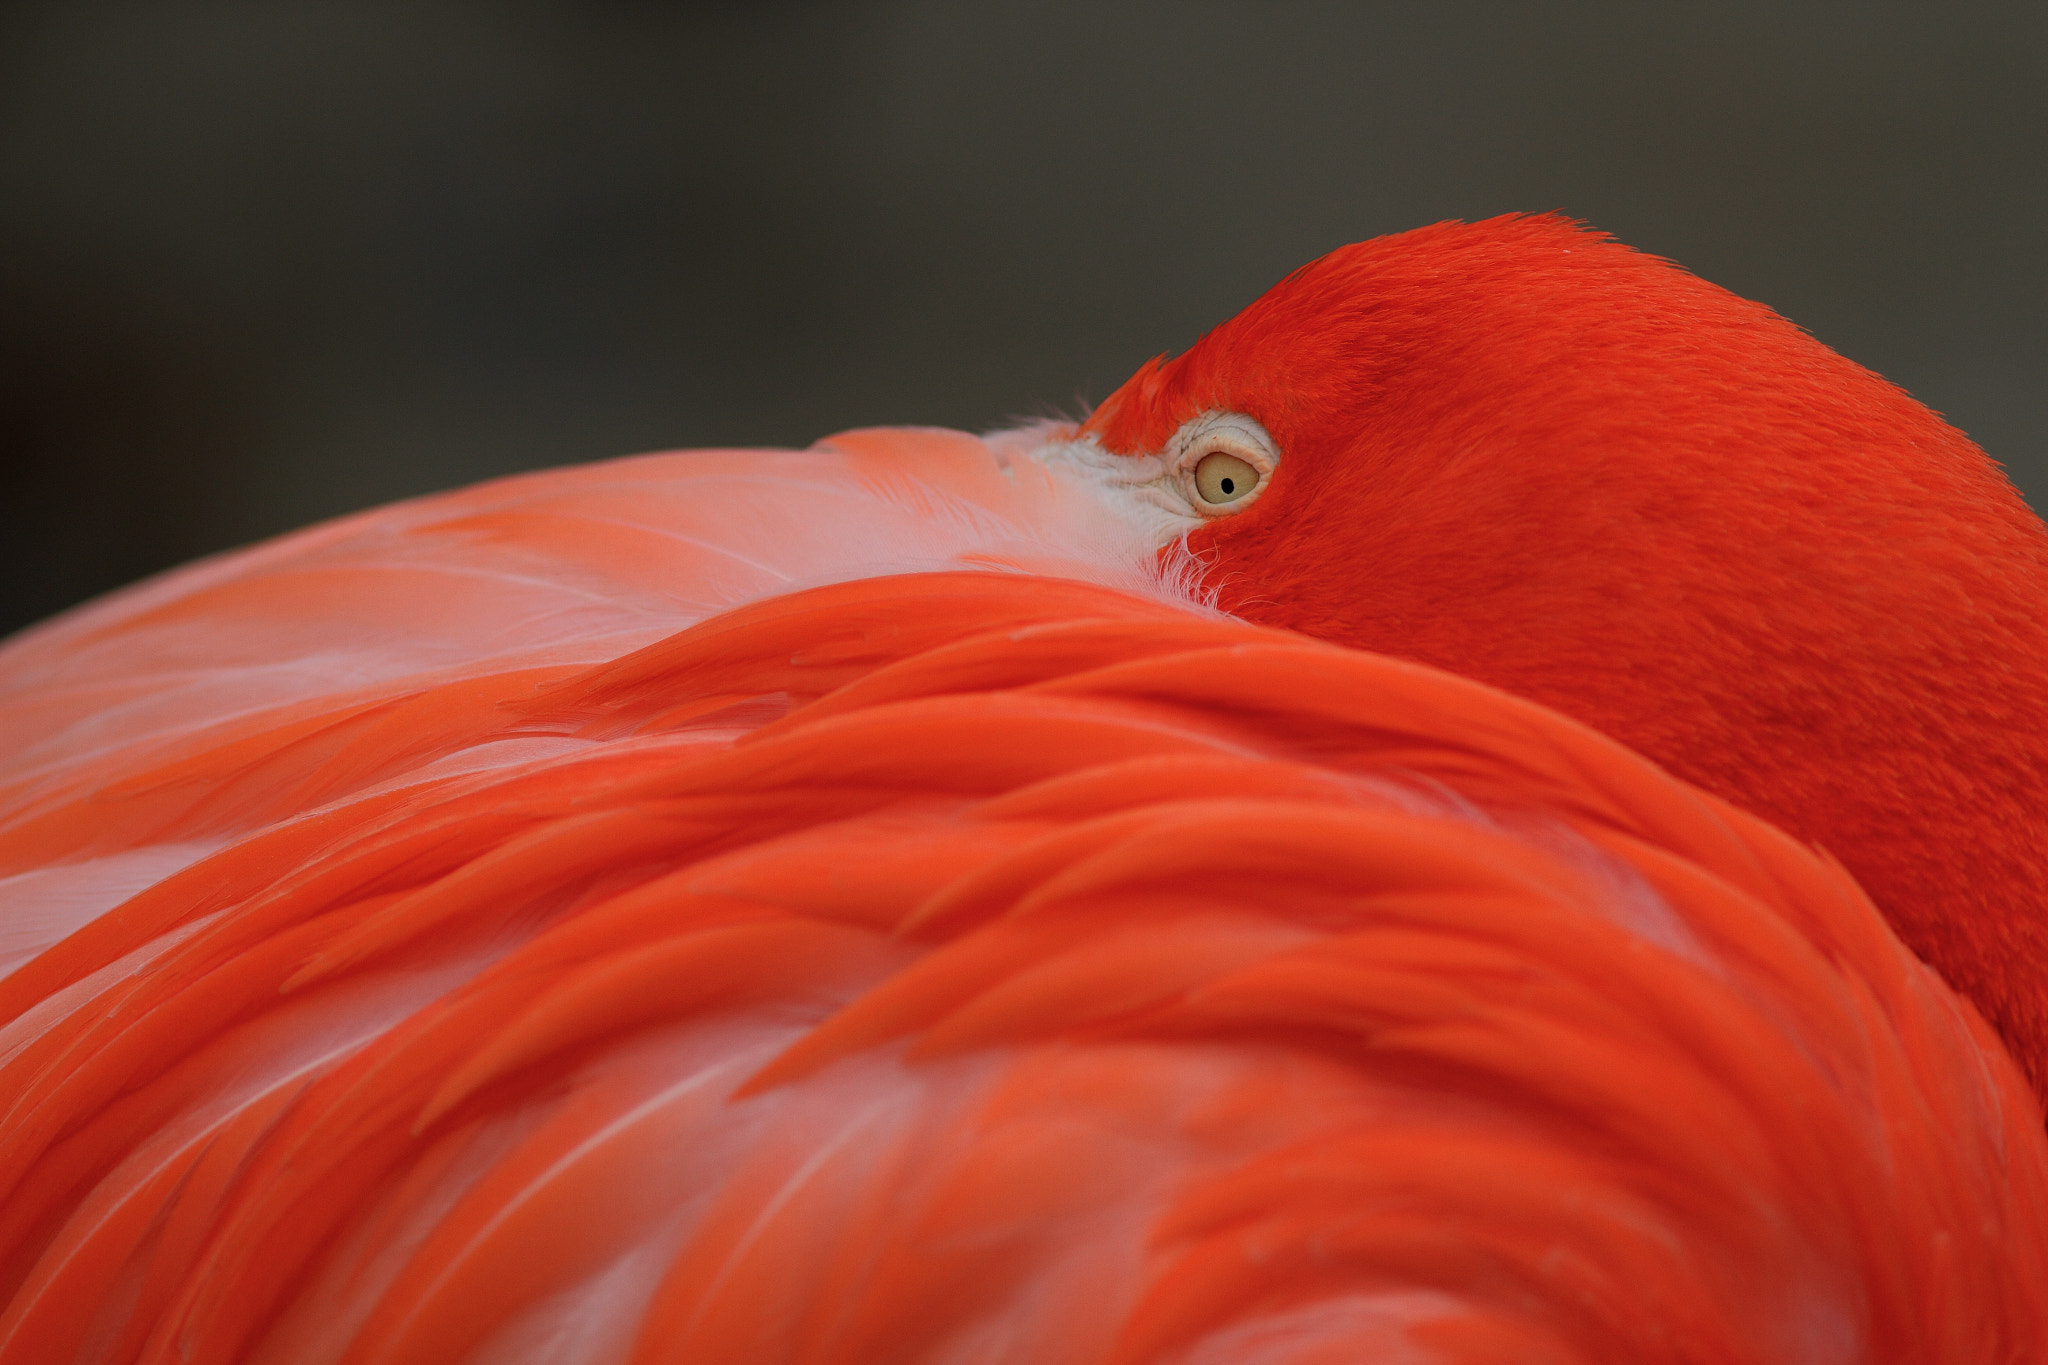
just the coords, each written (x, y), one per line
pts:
(265, 262)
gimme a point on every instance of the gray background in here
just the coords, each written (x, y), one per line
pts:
(262, 263)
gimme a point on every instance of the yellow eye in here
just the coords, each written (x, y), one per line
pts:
(1221, 477)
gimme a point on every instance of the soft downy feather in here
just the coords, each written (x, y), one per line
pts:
(545, 572)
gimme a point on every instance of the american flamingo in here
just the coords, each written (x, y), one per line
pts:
(1405, 836)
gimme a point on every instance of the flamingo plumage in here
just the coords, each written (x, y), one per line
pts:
(1538, 867)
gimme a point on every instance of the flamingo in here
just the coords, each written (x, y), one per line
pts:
(1489, 810)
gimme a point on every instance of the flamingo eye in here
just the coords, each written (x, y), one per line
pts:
(1217, 465)
(1222, 477)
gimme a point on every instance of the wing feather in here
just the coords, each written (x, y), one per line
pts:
(970, 966)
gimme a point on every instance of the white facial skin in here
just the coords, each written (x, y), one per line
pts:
(1216, 465)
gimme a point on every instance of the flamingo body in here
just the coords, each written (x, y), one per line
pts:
(620, 914)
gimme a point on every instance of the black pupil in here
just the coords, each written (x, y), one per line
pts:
(1229, 485)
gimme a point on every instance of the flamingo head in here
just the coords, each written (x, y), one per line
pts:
(1521, 451)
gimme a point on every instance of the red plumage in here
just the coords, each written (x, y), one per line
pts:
(1579, 473)
(456, 934)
